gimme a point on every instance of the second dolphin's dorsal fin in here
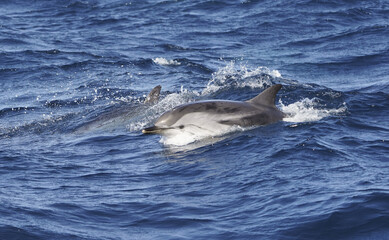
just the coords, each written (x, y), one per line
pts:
(267, 97)
(153, 96)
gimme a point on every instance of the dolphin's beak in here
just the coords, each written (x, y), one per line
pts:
(151, 130)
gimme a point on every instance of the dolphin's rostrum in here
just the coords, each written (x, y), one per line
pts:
(218, 115)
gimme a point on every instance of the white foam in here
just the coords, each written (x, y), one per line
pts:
(165, 62)
(308, 110)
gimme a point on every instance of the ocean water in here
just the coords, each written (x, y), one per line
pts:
(75, 165)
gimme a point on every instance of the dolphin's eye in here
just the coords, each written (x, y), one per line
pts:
(181, 126)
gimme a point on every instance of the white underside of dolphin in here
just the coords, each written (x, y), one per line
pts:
(215, 117)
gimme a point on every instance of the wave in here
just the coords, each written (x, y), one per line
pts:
(5, 111)
(174, 48)
(346, 221)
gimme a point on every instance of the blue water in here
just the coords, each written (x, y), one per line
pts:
(75, 165)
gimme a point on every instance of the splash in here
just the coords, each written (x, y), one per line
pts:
(240, 76)
(165, 62)
(308, 110)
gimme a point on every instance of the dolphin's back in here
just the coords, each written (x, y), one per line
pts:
(224, 112)
(220, 114)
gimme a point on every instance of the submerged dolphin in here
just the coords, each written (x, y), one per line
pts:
(118, 116)
(217, 116)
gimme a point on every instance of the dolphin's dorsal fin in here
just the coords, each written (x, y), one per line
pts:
(267, 97)
(153, 96)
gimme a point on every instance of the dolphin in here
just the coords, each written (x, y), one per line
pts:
(215, 117)
(153, 96)
(118, 116)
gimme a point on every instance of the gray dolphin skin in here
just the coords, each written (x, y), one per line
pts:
(118, 117)
(153, 96)
(218, 115)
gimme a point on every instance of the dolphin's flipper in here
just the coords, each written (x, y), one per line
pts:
(153, 96)
(267, 97)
